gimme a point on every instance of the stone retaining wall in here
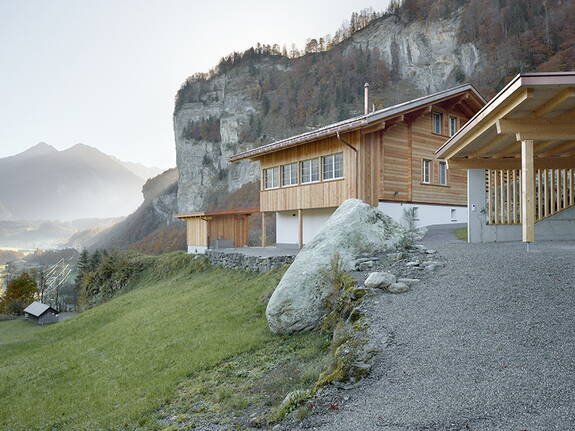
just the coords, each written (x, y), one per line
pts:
(247, 263)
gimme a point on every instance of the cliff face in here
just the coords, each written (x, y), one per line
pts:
(230, 111)
(426, 53)
(229, 98)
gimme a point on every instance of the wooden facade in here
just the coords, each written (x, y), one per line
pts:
(382, 162)
(205, 228)
(322, 194)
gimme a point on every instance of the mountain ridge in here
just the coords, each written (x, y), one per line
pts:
(78, 182)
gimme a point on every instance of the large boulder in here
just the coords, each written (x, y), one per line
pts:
(354, 229)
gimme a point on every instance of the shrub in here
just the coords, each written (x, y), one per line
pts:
(410, 233)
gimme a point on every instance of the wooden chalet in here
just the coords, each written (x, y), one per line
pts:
(217, 229)
(385, 157)
(519, 152)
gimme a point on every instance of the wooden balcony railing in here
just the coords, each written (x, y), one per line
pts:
(554, 192)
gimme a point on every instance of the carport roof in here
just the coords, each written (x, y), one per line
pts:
(218, 213)
(533, 106)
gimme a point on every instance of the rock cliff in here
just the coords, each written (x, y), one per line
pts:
(230, 111)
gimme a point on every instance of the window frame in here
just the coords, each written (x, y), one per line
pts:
(311, 181)
(433, 123)
(274, 176)
(333, 166)
(424, 171)
(292, 166)
(451, 131)
(446, 179)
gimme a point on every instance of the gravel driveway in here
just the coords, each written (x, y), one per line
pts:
(486, 343)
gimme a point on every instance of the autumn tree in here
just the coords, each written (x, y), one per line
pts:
(20, 292)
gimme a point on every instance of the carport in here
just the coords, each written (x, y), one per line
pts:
(519, 151)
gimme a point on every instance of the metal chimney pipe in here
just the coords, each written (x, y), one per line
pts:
(366, 98)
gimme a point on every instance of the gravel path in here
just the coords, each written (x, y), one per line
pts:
(487, 343)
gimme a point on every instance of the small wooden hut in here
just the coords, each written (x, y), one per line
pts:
(217, 229)
(41, 313)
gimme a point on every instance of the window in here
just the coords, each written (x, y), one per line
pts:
(437, 122)
(453, 214)
(443, 173)
(333, 166)
(426, 171)
(271, 178)
(310, 171)
(453, 125)
(289, 174)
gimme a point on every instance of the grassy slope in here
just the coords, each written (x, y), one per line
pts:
(119, 362)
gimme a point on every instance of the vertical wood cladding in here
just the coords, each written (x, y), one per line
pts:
(389, 164)
(203, 230)
(323, 194)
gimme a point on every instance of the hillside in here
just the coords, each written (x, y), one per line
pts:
(417, 47)
(156, 214)
(180, 348)
(43, 183)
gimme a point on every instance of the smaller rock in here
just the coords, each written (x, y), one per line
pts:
(413, 263)
(398, 288)
(257, 421)
(379, 280)
(420, 247)
(408, 281)
(364, 266)
(429, 251)
(434, 263)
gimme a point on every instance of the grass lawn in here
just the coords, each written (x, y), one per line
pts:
(461, 233)
(115, 366)
(12, 331)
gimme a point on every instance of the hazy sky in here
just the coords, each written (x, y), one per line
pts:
(105, 72)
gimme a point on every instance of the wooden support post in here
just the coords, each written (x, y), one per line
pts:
(300, 228)
(528, 191)
(264, 239)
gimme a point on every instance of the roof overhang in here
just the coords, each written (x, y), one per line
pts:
(534, 106)
(366, 122)
(218, 213)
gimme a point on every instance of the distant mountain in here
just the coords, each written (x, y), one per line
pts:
(144, 172)
(43, 183)
(155, 215)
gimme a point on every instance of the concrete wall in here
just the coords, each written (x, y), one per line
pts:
(427, 214)
(558, 227)
(313, 221)
(197, 249)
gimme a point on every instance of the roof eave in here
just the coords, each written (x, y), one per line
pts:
(356, 123)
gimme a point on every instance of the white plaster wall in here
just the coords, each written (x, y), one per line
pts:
(427, 214)
(313, 221)
(558, 227)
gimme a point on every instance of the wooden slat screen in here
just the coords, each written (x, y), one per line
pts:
(554, 192)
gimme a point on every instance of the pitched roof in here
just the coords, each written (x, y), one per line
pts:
(357, 122)
(37, 309)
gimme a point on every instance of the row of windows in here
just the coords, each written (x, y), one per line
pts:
(304, 172)
(438, 124)
(426, 172)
